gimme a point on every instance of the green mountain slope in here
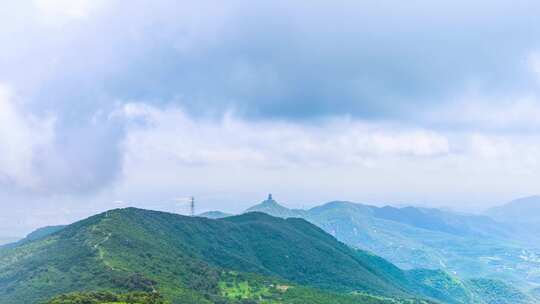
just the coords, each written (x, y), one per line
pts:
(198, 260)
(135, 249)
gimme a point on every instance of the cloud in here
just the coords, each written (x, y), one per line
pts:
(283, 60)
(38, 155)
(22, 136)
(476, 112)
(270, 143)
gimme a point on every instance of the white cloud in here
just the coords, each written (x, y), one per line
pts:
(21, 136)
(199, 141)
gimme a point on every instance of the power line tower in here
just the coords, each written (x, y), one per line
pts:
(192, 206)
(183, 201)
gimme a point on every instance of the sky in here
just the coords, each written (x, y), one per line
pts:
(107, 104)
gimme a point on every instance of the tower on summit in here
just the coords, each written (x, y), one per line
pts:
(270, 197)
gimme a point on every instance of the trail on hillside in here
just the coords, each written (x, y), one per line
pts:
(101, 251)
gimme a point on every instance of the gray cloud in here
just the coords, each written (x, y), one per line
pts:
(369, 60)
(289, 60)
(278, 60)
(47, 155)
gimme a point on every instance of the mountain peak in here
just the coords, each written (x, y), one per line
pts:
(272, 207)
(270, 202)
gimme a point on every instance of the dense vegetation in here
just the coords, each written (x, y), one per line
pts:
(109, 298)
(297, 295)
(252, 258)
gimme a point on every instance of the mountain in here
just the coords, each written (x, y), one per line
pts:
(214, 214)
(464, 245)
(523, 210)
(197, 260)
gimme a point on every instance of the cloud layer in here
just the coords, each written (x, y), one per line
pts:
(98, 99)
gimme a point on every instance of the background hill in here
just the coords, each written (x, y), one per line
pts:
(198, 260)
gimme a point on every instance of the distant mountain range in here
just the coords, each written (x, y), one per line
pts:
(424, 218)
(250, 258)
(524, 210)
(411, 237)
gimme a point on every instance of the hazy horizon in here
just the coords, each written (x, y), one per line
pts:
(181, 206)
(104, 105)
